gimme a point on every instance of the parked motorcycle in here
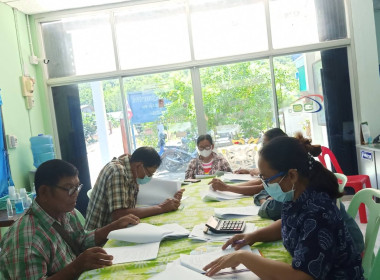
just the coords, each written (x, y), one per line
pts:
(176, 159)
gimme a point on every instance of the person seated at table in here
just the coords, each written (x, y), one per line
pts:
(115, 192)
(267, 136)
(208, 162)
(48, 241)
(269, 208)
(311, 226)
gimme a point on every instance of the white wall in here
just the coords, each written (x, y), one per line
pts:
(377, 25)
(365, 56)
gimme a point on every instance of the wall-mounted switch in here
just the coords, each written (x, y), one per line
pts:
(12, 141)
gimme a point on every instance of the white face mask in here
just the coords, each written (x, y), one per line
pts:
(205, 153)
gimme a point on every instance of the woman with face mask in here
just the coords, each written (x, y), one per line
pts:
(311, 226)
(208, 162)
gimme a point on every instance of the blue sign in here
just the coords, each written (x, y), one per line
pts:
(145, 106)
(366, 155)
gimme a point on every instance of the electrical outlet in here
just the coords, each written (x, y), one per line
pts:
(33, 59)
(12, 141)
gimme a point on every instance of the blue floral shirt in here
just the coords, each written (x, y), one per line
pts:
(316, 236)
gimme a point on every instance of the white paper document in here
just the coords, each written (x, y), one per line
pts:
(197, 262)
(146, 233)
(211, 195)
(139, 252)
(236, 211)
(198, 234)
(157, 191)
(205, 176)
(233, 177)
(179, 272)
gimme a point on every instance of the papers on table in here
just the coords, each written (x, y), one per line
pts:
(157, 191)
(205, 176)
(178, 271)
(198, 234)
(236, 211)
(233, 177)
(197, 262)
(140, 252)
(190, 267)
(212, 195)
(146, 233)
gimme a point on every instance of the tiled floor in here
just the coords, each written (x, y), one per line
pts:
(346, 201)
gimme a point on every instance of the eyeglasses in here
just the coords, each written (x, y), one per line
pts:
(147, 173)
(204, 148)
(71, 190)
(266, 181)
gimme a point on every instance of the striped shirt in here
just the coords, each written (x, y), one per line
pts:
(33, 249)
(219, 163)
(114, 189)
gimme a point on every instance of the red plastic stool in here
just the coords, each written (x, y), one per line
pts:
(354, 181)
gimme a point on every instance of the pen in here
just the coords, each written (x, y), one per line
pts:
(241, 241)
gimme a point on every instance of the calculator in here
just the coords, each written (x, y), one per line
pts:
(225, 226)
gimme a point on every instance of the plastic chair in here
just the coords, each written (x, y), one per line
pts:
(342, 180)
(89, 193)
(357, 182)
(366, 196)
(375, 273)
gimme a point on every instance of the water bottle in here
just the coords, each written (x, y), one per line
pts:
(24, 197)
(42, 149)
(12, 192)
(9, 209)
(19, 204)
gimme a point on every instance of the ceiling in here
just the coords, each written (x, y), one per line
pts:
(31, 7)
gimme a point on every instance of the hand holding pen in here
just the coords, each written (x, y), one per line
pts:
(237, 241)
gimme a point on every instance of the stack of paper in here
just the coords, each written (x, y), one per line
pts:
(179, 272)
(198, 233)
(233, 177)
(197, 262)
(148, 235)
(228, 212)
(205, 176)
(212, 195)
(157, 191)
(178, 269)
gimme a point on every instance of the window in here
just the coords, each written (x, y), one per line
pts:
(224, 28)
(78, 46)
(153, 34)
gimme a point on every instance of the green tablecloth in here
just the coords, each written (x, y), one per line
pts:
(195, 211)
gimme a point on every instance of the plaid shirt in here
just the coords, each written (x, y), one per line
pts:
(219, 163)
(33, 249)
(114, 189)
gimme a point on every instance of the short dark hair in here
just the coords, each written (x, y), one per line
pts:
(52, 171)
(205, 137)
(147, 155)
(273, 133)
(284, 153)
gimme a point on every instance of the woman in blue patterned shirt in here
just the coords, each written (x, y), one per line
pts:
(311, 226)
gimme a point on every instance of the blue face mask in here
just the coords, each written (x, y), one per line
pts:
(275, 191)
(144, 180)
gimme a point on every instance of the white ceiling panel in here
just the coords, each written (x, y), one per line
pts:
(31, 7)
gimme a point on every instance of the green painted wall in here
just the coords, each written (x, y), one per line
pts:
(18, 120)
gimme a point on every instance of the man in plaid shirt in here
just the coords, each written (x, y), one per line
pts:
(48, 241)
(115, 192)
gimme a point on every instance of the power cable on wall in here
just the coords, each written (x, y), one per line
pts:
(15, 14)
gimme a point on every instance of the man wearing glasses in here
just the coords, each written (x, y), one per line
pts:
(48, 241)
(115, 192)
